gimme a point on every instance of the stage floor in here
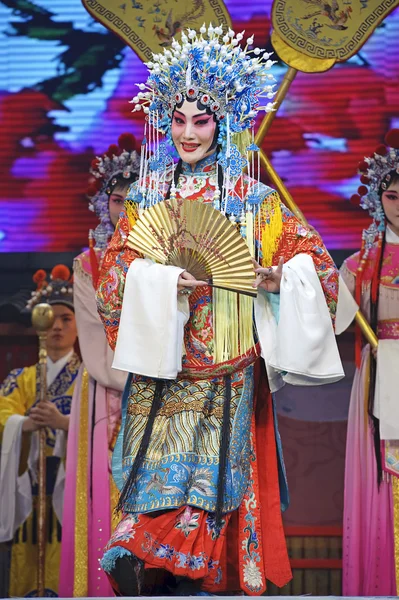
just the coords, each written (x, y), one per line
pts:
(234, 597)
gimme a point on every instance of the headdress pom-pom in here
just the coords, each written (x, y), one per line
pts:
(95, 163)
(113, 150)
(392, 138)
(93, 187)
(39, 276)
(127, 141)
(61, 272)
(381, 150)
(362, 190)
(355, 199)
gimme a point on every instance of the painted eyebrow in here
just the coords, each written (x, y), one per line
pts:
(194, 116)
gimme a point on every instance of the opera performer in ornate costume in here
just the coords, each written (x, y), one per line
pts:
(371, 499)
(21, 416)
(90, 494)
(196, 457)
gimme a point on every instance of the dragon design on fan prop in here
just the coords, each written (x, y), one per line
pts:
(175, 24)
(337, 17)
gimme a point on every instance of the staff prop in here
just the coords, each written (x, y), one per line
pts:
(42, 321)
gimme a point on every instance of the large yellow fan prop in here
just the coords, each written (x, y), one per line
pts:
(198, 238)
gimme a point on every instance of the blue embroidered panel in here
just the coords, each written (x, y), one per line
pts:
(182, 461)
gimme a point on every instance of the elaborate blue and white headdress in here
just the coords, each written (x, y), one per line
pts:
(375, 177)
(216, 71)
(211, 67)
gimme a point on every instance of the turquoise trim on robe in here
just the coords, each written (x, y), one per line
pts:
(117, 455)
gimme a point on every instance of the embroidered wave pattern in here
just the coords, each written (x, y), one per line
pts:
(182, 461)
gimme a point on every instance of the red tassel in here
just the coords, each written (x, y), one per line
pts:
(93, 262)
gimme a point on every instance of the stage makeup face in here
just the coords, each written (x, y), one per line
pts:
(115, 205)
(390, 203)
(193, 132)
(116, 200)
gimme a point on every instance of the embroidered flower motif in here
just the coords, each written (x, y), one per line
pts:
(211, 526)
(302, 231)
(188, 521)
(125, 530)
(252, 575)
(190, 560)
(190, 186)
(196, 562)
(164, 551)
(209, 194)
(212, 564)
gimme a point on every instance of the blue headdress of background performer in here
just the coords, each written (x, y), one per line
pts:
(58, 290)
(120, 163)
(229, 80)
(376, 174)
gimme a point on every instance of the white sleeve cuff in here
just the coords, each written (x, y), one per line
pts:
(300, 348)
(151, 329)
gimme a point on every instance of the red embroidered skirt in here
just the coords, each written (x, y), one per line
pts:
(181, 541)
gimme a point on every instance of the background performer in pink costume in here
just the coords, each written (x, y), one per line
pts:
(95, 418)
(372, 458)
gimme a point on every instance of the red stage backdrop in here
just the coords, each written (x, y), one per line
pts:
(65, 83)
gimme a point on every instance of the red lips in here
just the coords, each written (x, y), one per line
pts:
(190, 147)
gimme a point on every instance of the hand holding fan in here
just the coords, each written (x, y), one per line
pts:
(198, 238)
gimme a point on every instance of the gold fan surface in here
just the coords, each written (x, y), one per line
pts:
(194, 236)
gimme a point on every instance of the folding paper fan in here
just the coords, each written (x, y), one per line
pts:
(198, 238)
